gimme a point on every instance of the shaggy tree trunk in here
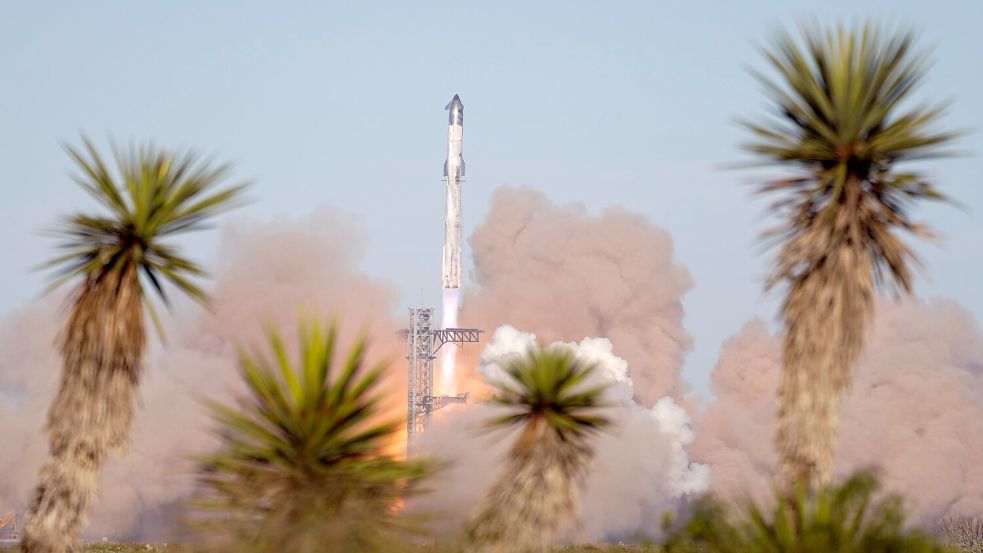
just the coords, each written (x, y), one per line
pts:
(825, 315)
(536, 494)
(92, 414)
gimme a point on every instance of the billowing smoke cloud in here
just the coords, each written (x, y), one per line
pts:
(916, 409)
(266, 273)
(27, 384)
(565, 274)
(641, 469)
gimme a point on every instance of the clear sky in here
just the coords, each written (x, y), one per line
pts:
(341, 103)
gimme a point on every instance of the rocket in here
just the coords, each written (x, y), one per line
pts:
(453, 173)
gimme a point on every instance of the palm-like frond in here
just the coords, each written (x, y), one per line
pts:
(842, 118)
(550, 384)
(307, 444)
(838, 519)
(152, 196)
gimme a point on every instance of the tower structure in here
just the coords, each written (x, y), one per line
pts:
(422, 343)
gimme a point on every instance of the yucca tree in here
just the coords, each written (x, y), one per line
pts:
(119, 258)
(550, 399)
(302, 463)
(847, 518)
(842, 126)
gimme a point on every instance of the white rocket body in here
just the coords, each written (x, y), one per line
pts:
(454, 173)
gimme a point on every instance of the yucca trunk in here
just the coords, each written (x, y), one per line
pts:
(825, 314)
(536, 493)
(92, 413)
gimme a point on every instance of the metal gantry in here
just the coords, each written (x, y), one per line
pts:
(422, 342)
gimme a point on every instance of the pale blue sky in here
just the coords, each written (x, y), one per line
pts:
(627, 103)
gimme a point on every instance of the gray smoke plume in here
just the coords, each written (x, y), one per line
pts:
(28, 379)
(565, 274)
(916, 410)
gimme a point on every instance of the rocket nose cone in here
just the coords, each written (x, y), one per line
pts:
(455, 103)
(455, 108)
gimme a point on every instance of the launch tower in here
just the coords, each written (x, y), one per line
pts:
(422, 342)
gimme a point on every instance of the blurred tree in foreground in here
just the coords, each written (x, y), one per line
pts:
(302, 464)
(843, 125)
(550, 399)
(120, 257)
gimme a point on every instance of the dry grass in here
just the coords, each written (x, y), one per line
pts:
(964, 533)
(165, 548)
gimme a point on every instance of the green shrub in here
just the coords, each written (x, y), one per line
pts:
(839, 519)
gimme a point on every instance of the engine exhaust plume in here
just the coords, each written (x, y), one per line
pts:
(448, 359)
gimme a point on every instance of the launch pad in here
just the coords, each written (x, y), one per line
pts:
(422, 342)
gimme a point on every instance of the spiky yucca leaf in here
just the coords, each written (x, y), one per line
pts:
(550, 399)
(847, 518)
(302, 464)
(843, 125)
(152, 196)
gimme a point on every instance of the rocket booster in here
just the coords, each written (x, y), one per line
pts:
(453, 173)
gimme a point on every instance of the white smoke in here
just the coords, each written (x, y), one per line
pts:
(450, 307)
(641, 469)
